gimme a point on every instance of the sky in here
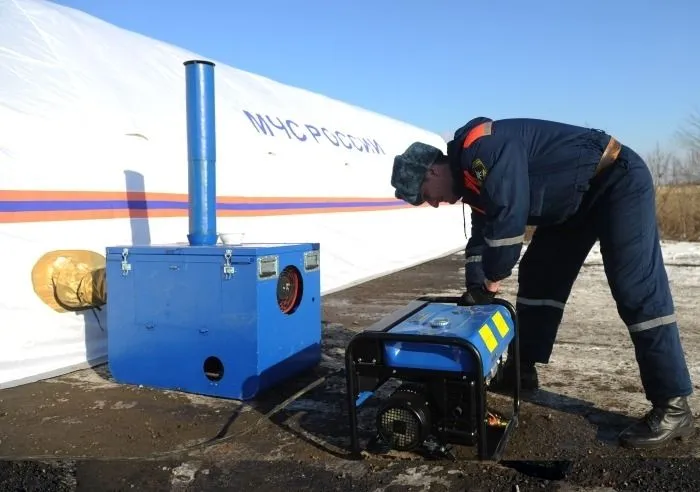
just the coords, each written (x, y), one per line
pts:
(629, 67)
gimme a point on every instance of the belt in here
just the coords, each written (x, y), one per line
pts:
(610, 155)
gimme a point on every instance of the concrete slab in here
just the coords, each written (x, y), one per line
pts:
(84, 432)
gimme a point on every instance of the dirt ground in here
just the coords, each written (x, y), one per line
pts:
(82, 431)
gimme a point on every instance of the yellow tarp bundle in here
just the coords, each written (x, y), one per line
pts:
(70, 280)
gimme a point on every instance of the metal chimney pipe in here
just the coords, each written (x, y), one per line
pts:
(201, 152)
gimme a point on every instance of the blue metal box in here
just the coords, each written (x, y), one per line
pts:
(219, 320)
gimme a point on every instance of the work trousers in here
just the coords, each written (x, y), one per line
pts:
(619, 210)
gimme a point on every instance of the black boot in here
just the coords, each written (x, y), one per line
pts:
(667, 420)
(528, 378)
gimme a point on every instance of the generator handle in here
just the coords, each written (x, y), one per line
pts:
(440, 299)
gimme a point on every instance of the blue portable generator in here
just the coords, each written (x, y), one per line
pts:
(226, 320)
(443, 355)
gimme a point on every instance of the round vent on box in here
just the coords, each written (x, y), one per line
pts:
(289, 290)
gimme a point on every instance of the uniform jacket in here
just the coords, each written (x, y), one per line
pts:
(526, 172)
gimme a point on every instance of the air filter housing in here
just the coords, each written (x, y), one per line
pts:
(403, 420)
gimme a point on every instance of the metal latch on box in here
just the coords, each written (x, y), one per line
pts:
(311, 260)
(126, 266)
(229, 270)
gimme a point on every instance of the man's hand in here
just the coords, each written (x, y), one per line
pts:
(492, 286)
(478, 296)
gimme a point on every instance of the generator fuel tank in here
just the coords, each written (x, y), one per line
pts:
(488, 328)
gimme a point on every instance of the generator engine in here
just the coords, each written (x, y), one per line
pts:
(443, 356)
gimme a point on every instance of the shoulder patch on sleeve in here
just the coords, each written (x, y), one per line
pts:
(480, 171)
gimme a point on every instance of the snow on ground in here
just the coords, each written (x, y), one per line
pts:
(675, 253)
(593, 359)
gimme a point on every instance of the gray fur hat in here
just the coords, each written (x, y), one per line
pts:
(410, 169)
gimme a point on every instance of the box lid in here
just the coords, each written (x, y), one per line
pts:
(184, 248)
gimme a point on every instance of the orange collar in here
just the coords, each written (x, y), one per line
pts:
(470, 182)
(477, 132)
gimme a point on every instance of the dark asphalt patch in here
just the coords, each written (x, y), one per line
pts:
(650, 475)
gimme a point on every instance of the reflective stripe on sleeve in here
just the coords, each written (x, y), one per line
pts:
(508, 241)
(473, 259)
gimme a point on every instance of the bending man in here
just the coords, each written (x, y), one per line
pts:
(577, 185)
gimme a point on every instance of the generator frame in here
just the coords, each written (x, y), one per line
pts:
(365, 377)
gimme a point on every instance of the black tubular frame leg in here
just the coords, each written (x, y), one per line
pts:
(382, 334)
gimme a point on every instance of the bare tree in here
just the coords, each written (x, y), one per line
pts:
(690, 134)
(677, 176)
(693, 165)
(666, 168)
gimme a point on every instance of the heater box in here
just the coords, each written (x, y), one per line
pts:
(221, 320)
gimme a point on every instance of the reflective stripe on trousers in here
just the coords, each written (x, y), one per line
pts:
(541, 302)
(635, 328)
(652, 323)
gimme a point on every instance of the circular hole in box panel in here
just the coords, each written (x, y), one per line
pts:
(213, 368)
(289, 290)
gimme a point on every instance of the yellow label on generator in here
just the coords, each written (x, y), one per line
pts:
(488, 337)
(500, 323)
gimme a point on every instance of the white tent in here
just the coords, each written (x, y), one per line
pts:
(89, 111)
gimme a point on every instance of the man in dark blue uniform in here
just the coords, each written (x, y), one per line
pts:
(577, 185)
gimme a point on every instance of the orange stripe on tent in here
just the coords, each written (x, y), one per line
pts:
(35, 195)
